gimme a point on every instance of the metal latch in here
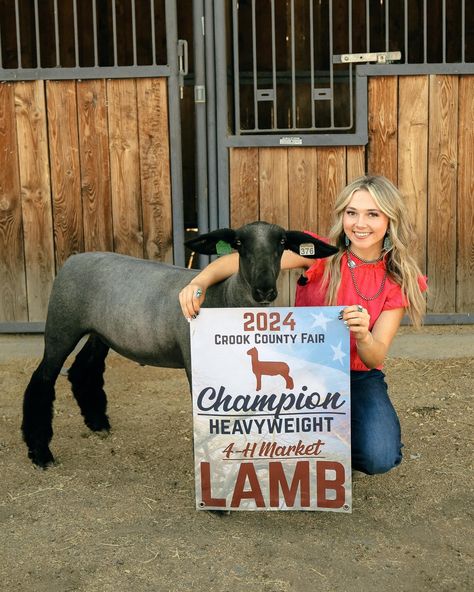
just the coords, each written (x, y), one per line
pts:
(182, 64)
(380, 57)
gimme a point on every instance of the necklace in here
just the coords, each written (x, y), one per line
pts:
(351, 263)
(356, 287)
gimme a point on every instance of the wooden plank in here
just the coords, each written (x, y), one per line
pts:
(443, 130)
(64, 163)
(303, 188)
(273, 185)
(413, 155)
(36, 195)
(95, 165)
(125, 167)
(331, 181)
(302, 197)
(273, 190)
(382, 147)
(155, 168)
(355, 162)
(465, 198)
(244, 184)
(13, 304)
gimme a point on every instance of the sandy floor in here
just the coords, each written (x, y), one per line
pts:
(117, 513)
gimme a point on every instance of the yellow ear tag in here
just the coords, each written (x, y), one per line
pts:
(307, 249)
(223, 248)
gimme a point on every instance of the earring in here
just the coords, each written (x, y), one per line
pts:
(387, 242)
(347, 242)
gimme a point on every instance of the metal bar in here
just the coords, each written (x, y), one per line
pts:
(134, 33)
(153, 32)
(158, 71)
(367, 25)
(279, 140)
(56, 34)
(37, 35)
(235, 41)
(175, 132)
(94, 32)
(221, 114)
(114, 32)
(311, 49)
(293, 66)
(362, 109)
(463, 31)
(443, 17)
(84, 72)
(200, 162)
(212, 172)
(405, 20)
(331, 67)
(18, 35)
(414, 69)
(275, 113)
(425, 36)
(76, 33)
(254, 58)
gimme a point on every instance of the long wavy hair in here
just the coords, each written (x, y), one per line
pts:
(401, 265)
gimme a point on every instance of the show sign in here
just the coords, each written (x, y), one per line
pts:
(271, 407)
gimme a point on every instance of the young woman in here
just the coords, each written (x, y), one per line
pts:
(376, 280)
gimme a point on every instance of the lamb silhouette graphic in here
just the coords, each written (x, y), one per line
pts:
(266, 368)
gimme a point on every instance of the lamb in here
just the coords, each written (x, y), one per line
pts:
(131, 306)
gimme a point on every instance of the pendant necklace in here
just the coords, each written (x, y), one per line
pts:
(352, 265)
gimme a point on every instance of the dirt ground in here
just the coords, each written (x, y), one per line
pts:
(118, 513)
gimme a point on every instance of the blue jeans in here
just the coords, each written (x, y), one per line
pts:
(376, 437)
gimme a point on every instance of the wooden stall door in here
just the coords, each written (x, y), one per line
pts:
(85, 166)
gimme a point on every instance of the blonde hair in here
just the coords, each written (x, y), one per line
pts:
(401, 266)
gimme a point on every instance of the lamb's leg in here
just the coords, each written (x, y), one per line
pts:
(39, 398)
(86, 376)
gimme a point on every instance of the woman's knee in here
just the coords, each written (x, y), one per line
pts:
(375, 462)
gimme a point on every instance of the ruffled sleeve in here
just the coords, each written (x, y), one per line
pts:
(396, 298)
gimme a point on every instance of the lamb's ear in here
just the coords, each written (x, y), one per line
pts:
(217, 242)
(308, 246)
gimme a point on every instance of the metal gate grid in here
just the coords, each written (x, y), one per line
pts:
(294, 71)
(79, 39)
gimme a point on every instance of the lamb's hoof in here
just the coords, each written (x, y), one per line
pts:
(98, 424)
(42, 458)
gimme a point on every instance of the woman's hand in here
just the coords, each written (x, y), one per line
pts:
(190, 298)
(372, 346)
(357, 320)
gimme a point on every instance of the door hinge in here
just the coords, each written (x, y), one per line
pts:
(380, 57)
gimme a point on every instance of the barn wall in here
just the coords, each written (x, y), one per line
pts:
(421, 136)
(85, 166)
